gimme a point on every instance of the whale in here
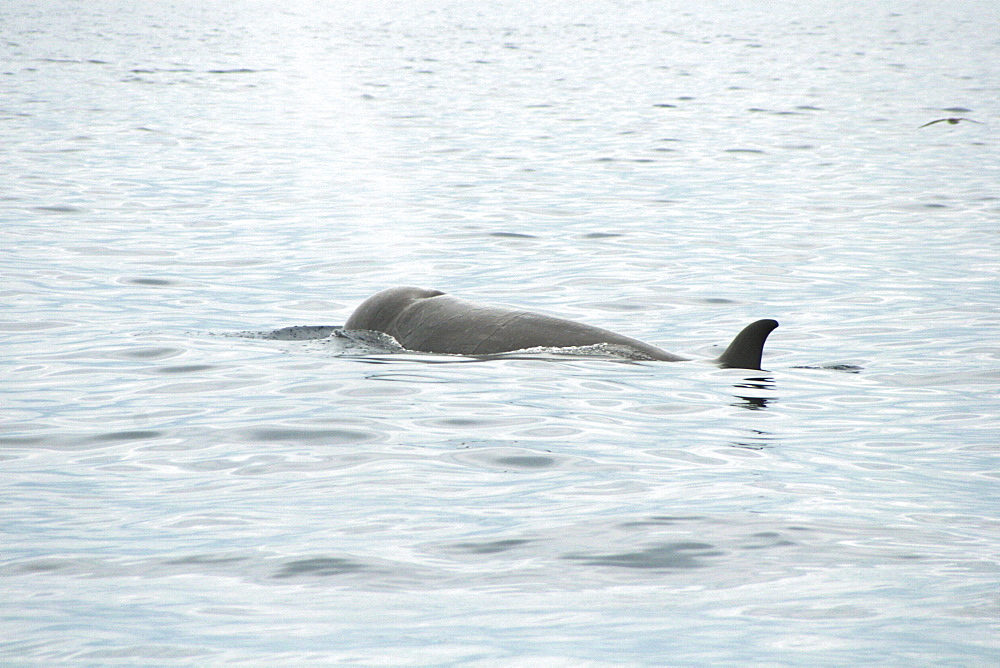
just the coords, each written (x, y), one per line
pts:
(432, 321)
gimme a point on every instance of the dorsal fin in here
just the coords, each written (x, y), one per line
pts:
(746, 349)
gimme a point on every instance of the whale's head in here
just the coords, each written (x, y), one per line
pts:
(379, 311)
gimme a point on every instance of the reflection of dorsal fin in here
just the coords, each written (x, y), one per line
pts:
(745, 350)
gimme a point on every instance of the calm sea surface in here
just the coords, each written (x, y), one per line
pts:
(177, 178)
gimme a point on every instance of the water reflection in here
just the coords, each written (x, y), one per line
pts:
(758, 441)
(679, 554)
(320, 566)
(493, 546)
(754, 403)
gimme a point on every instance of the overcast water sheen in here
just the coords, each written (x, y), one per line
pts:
(179, 178)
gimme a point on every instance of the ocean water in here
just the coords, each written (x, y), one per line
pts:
(179, 178)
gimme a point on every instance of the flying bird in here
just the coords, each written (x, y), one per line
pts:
(950, 121)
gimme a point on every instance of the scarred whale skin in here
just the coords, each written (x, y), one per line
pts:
(434, 322)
